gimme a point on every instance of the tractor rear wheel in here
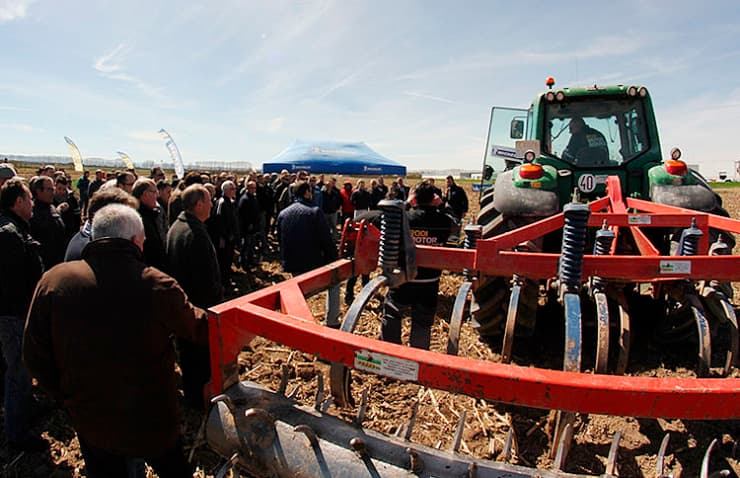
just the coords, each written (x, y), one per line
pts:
(491, 298)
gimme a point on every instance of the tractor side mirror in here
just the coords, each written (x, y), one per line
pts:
(516, 131)
(487, 172)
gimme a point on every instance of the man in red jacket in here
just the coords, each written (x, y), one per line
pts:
(348, 209)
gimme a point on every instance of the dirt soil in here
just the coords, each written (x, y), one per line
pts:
(390, 404)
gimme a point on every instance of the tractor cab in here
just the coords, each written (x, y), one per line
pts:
(585, 134)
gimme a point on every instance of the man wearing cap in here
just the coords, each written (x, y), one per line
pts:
(6, 172)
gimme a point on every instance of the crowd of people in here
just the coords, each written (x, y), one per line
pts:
(98, 282)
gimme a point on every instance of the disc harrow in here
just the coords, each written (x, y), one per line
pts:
(268, 433)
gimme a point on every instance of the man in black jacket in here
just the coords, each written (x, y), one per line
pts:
(191, 260)
(429, 227)
(225, 229)
(306, 243)
(21, 269)
(145, 190)
(331, 202)
(249, 222)
(456, 199)
(47, 225)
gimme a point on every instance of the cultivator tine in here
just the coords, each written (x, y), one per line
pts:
(624, 335)
(611, 461)
(358, 445)
(734, 336)
(564, 442)
(408, 428)
(602, 332)
(510, 445)
(284, 377)
(458, 432)
(453, 339)
(314, 441)
(226, 467)
(660, 460)
(415, 462)
(340, 377)
(319, 392)
(704, 336)
(508, 343)
(363, 407)
(572, 353)
(704, 473)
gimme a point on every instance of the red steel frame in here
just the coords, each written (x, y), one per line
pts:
(280, 313)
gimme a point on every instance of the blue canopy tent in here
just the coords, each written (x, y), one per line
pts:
(333, 157)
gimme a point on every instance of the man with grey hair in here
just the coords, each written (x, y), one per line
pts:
(191, 259)
(224, 229)
(70, 349)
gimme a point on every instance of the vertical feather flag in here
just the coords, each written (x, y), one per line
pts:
(76, 156)
(174, 153)
(126, 160)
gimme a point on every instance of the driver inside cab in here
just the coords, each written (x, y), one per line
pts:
(587, 146)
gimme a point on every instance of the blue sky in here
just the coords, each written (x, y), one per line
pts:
(415, 80)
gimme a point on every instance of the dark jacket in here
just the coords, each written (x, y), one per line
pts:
(225, 228)
(378, 193)
(304, 237)
(155, 253)
(20, 264)
(361, 199)
(191, 259)
(94, 186)
(111, 361)
(70, 217)
(429, 227)
(457, 200)
(48, 228)
(248, 214)
(83, 184)
(331, 200)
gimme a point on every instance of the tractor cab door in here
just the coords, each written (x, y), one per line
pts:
(507, 126)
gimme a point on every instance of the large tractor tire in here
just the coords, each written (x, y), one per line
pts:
(491, 298)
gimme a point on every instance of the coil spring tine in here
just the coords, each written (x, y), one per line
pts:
(508, 342)
(704, 336)
(705, 463)
(390, 234)
(225, 399)
(458, 433)
(363, 407)
(458, 309)
(611, 461)
(563, 446)
(221, 473)
(660, 460)
(574, 242)
(472, 234)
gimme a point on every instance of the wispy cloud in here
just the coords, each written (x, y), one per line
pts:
(13, 9)
(20, 127)
(429, 97)
(112, 66)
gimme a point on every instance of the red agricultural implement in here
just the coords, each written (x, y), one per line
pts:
(268, 434)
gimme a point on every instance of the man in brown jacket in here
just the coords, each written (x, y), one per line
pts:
(97, 340)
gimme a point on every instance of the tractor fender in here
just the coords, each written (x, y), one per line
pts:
(510, 200)
(689, 196)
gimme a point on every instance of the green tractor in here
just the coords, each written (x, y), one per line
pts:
(561, 151)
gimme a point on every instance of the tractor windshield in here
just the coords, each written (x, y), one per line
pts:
(587, 132)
